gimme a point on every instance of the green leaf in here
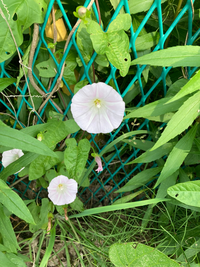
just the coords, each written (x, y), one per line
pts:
(175, 88)
(122, 22)
(139, 179)
(93, 211)
(80, 85)
(41, 164)
(20, 15)
(5, 261)
(14, 203)
(137, 6)
(25, 59)
(77, 205)
(114, 43)
(190, 87)
(75, 157)
(141, 144)
(49, 248)
(146, 41)
(47, 68)
(7, 232)
(156, 108)
(136, 254)
(84, 42)
(16, 139)
(152, 155)
(187, 193)
(177, 155)
(5, 82)
(177, 56)
(129, 197)
(40, 215)
(181, 120)
(17, 259)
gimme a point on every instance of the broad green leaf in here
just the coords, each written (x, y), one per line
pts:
(16, 139)
(75, 157)
(135, 204)
(47, 68)
(150, 155)
(20, 15)
(40, 215)
(177, 155)
(84, 42)
(146, 41)
(77, 205)
(5, 261)
(41, 164)
(114, 43)
(187, 193)
(14, 203)
(139, 179)
(14, 167)
(80, 85)
(5, 82)
(122, 22)
(102, 60)
(156, 108)
(137, 6)
(177, 56)
(181, 120)
(7, 232)
(18, 259)
(136, 254)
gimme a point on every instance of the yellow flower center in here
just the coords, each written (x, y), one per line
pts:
(97, 103)
(60, 186)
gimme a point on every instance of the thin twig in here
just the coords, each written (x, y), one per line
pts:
(21, 179)
(57, 85)
(20, 58)
(30, 74)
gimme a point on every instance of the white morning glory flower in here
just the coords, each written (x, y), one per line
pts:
(98, 108)
(62, 190)
(10, 156)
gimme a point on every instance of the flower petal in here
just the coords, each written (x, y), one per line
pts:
(62, 190)
(103, 118)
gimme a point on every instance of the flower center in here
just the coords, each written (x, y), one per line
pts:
(60, 187)
(97, 103)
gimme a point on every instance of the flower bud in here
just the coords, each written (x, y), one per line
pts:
(82, 11)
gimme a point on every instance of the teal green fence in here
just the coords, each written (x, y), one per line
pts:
(133, 88)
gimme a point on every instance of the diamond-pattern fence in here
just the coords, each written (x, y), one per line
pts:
(134, 88)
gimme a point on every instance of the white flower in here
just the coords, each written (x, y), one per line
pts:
(62, 190)
(98, 108)
(10, 156)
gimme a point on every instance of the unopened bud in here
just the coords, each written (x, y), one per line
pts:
(82, 11)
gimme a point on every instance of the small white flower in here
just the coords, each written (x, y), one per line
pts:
(62, 190)
(10, 156)
(98, 108)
